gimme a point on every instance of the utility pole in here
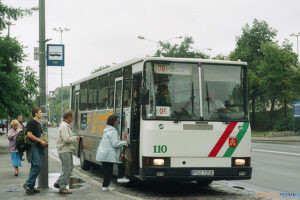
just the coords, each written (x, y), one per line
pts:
(296, 35)
(61, 30)
(43, 175)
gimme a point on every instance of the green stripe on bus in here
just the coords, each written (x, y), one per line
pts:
(239, 137)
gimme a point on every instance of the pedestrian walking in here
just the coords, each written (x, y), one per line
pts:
(20, 124)
(14, 154)
(33, 132)
(109, 150)
(65, 147)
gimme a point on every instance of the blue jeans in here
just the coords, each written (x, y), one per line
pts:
(35, 167)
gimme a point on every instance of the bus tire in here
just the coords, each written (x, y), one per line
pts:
(83, 162)
(204, 182)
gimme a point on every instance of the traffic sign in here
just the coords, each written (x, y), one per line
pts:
(54, 118)
(55, 55)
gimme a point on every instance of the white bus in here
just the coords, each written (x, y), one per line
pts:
(185, 119)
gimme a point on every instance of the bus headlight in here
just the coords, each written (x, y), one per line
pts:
(240, 162)
(158, 162)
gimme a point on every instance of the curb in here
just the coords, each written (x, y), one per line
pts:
(275, 141)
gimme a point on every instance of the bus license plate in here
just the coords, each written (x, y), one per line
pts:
(202, 172)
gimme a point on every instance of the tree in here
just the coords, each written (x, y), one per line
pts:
(278, 74)
(248, 48)
(183, 50)
(55, 104)
(17, 86)
(100, 69)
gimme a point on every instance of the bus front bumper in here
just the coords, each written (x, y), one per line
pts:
(219, 173)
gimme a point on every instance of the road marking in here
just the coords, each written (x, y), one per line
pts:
(91, 180)
(294, 147)
(278, 152)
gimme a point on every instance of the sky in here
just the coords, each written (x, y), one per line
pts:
(105, 32)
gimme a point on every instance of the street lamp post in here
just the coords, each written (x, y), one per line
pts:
(296, 35)
(157, 42)
(61, 30)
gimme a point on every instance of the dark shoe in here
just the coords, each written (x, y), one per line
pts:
(36, 190)
(17, 174)
(56, 185)
(29, 190)
(65, 191)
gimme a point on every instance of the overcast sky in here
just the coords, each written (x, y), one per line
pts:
(105, 32)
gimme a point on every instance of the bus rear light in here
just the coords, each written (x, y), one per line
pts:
(158, 162)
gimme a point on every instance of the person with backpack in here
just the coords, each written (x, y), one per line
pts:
(33, 132)
(14, 154)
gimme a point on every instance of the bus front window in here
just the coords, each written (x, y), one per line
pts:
(174, 91)
(223, 92)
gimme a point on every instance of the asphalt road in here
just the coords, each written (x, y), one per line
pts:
(275, 169)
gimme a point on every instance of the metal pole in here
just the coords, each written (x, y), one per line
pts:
(297, 47)
(61, 75)
(43, 175)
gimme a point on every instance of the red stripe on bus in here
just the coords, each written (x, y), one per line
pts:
(222, 139)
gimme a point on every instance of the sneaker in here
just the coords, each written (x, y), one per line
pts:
(104, 189)
(109, 188)
(29, 190)
(122, 180)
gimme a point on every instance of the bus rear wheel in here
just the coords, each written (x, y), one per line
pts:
(204, 182)
(83, 162)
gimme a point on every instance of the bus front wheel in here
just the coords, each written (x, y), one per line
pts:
(83, 162)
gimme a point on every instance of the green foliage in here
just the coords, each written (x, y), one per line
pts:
(183, 50)
(278, 73)
(18, 86)
(220, 57)
(285, 124)
(55, 104)
(9, 13)
(100, 69)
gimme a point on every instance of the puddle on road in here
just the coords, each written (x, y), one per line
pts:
(75, 182)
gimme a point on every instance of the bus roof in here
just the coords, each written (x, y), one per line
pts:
(137, 60)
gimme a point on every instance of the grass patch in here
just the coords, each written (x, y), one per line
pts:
(260, 133)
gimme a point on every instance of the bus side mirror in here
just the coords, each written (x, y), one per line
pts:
(144, 96)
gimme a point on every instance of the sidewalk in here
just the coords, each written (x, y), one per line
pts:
(11, 187)
(290, 139)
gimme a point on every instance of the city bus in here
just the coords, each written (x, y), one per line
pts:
(184, 118)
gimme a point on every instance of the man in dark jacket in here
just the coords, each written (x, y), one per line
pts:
(34, 131)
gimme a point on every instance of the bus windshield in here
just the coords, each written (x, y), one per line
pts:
(174, 91)
(223, 92)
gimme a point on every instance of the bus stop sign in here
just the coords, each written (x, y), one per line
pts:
(55, 55)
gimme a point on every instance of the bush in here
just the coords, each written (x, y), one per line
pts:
(284, 124)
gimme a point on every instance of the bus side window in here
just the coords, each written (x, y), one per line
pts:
(127, 86)
(92, 100)
(112, 77)
(103, 92)
(83, 96)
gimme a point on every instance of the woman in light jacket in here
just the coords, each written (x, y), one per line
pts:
(109, 150)
(15, 155)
